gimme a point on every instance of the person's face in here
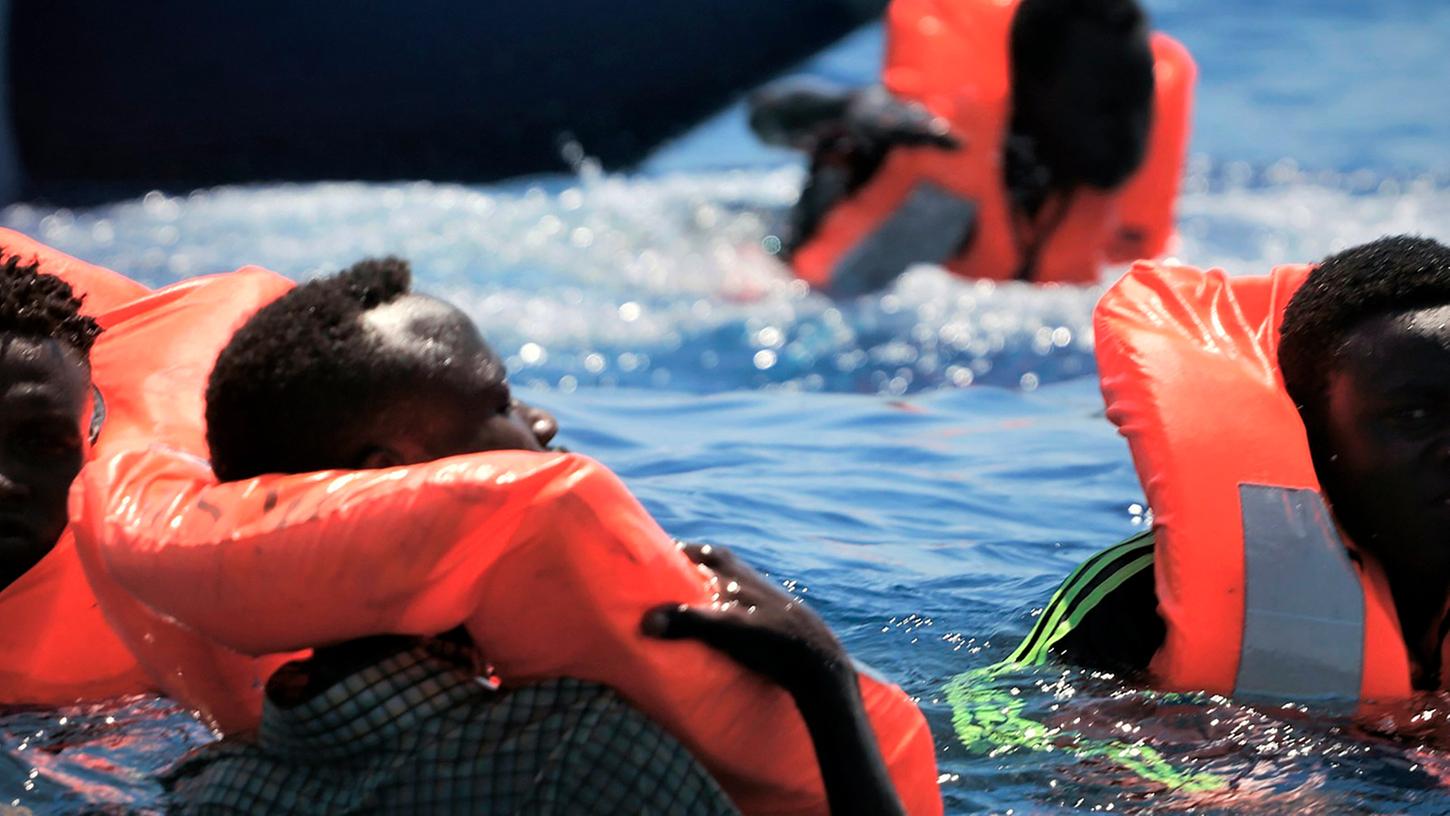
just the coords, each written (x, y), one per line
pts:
(1091, 117)
(1387, 433)
(44, 387)
(461, 404)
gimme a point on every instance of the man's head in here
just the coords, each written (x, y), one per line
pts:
(45, 385)
(356, 371)
(1365, 355)
(1082, 86)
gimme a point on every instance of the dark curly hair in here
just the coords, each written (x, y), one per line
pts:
(1393, 274)
(34, 304)
(1040, 29)
(295, 380)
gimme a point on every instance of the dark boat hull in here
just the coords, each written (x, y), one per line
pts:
(178, 93)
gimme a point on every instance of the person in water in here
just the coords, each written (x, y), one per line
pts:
(1364, 352)
(357, 371)
(45, 391)
(1082, 105)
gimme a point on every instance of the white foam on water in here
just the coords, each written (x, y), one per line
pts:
(670, 281)
(1247, 220)
(667, 281)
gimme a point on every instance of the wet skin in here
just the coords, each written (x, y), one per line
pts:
(458, 400)
(44, 387)
(450, 397)
(1090, 118)
(1384, 459)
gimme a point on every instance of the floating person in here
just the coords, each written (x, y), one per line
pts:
(61, 648)
(1249, 584)
(452, 513)
(1034, 140)
(45, 402)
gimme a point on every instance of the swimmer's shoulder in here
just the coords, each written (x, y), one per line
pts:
(1104, 616)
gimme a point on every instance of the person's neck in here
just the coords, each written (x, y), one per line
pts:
(1420, 595)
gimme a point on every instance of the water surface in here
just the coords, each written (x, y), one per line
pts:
(923, 464)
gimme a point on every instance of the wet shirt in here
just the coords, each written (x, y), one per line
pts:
(1104, 616)
(420, 732)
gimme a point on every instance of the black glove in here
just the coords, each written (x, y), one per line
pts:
(811, 115)
(877, 120)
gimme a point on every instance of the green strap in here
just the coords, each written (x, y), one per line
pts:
(1070, 603)
(991, 719)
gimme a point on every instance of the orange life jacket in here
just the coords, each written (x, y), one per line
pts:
(152, 364)
(58, 646)
(953, 57)
(1262, 597)
(547, 560)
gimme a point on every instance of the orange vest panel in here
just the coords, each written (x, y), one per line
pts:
(152, 364)
(1188, 363)
(953, 57)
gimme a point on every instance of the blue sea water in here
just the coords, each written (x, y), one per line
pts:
(923, 464)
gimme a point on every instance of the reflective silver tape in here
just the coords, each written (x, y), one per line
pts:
(930, 226)
(1303, 604)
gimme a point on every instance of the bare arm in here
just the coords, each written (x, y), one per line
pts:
(768, 631)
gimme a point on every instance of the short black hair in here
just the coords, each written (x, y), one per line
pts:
(1040, 29)
(34, 304)
(1394, 274)
(294, 379)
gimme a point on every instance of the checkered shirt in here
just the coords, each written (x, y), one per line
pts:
(420, 733)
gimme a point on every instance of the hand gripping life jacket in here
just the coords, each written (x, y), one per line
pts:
(58, 646)
(547, 560)
(952, 56)
(1262, 597)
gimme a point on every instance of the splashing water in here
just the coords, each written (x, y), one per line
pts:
(669, 282)
(923, 464)
(944, 517)
(97, 758)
